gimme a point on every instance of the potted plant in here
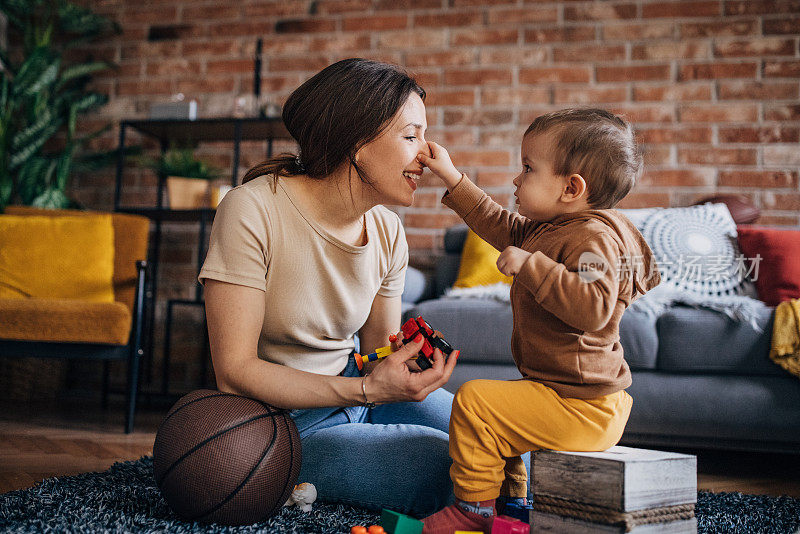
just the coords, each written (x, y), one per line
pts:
(43, 92)
(187, 178)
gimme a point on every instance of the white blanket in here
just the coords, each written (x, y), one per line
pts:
(654, 303)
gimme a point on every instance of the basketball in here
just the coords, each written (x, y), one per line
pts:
(223, 458)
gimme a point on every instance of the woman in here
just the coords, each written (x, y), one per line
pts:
(303, 255)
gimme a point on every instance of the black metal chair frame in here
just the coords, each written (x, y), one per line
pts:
(132, 352)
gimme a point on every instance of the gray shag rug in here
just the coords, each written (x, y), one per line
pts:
(125, 499)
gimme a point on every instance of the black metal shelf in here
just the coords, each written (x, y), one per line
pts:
(170, 215)
(233, 129)
(213, 129)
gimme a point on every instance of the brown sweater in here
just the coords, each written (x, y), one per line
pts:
(566, 304)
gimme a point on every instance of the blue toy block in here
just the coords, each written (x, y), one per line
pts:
(396, 523)
(519, 511)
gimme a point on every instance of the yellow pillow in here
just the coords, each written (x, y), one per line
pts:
(479, 264)
(69, 257)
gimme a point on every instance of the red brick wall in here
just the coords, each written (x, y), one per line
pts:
(713, 87)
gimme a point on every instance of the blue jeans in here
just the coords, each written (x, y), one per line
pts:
(393, 456)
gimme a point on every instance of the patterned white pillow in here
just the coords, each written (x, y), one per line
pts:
(696, 248)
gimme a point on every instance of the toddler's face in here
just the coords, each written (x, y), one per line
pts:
(538, 187)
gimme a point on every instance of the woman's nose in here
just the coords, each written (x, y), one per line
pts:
(425, 149)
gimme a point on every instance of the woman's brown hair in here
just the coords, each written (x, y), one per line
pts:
(334, 113)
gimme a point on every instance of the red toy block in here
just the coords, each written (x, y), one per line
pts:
(503, 524)
(414, 327)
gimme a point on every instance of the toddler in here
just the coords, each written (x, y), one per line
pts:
(577, 265)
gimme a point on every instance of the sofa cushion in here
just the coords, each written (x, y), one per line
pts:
(64, 320)
(705, 341)
(447, 267)
(479, 264)
(131, 233)
(714, 407)
(695, 248)
(466, 371)
(479, 328)
(778, 275)
(57, 257)
(414, 287)
(639, 338)
(454, 238)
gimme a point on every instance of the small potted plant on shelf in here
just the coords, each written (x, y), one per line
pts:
(187, 178)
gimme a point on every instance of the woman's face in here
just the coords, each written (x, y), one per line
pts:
(390, 160)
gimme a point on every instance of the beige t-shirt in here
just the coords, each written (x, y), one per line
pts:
(318, 289)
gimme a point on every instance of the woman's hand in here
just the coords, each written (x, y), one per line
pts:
(441, 165)
(393, 381)
(397, 345)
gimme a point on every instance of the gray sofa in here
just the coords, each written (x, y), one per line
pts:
(699, 379)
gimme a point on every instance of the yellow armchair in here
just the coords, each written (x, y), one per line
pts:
(52, 326)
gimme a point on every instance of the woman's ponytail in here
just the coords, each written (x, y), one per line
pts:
(284, 164)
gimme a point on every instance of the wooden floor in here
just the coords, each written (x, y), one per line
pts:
(75, 436)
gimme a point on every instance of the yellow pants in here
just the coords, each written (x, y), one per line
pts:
(494, 421)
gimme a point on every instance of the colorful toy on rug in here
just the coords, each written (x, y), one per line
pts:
(303, 495)
(223, 458)
(411, 329)
(391, 523)
(373, 529)
(397, 523)
(502, 524)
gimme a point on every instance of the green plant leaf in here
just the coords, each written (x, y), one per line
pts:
(64, 166)
(33, 131)
(92, 100)
(95, 161)
(31, 179)
(81, 70)
(37, 72)
(6, 61)
(4, 91)
(28, 151)
(51, 199)
(76, 19)
(15, 11)
(6, 190)
(72, 122)
(43, 97)
(182, 162)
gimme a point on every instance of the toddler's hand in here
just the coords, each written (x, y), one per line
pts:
(441, 165)
(511, 260)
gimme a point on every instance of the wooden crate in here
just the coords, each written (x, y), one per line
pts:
(541, 522)
(610, 491)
